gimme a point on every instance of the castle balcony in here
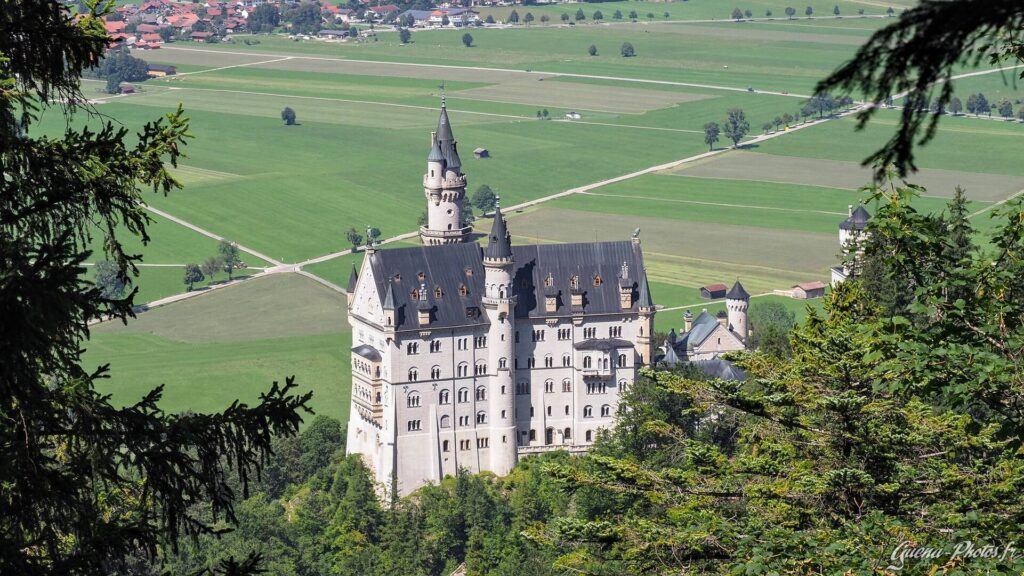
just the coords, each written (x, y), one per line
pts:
(432, 237)
(596, 372)
(570, 448)
(454, 182)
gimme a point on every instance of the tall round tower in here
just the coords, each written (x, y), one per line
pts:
(444, 185)
(499, 305)
(736, 302)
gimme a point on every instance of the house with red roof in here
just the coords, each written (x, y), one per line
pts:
(114, 26)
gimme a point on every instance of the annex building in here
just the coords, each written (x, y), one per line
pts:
(470, 355)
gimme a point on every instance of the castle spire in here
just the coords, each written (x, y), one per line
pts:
(645, 300)
(499, 246)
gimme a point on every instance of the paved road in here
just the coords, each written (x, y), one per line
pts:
(209, 234)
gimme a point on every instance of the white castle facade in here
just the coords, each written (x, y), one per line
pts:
(470, 356)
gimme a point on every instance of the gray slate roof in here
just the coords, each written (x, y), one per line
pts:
(722, 369)
(499, 243)
(702, 327)
(533, 263)
(368, 352)
(352, 279)
(603, 344)
(737, 292)
(446, 141)
(857, 221)
(450, 266)
(645, 301)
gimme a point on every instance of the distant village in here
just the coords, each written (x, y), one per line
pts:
(151, 23)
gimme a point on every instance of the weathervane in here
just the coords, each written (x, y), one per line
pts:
(443, 95)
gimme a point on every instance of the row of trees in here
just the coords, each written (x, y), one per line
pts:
(734, 128)
(119, 66)
(597, 16)
(228, 259)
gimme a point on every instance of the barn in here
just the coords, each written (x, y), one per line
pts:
(713, 291)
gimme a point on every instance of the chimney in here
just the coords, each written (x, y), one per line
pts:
(433, 139)
(849, 211)
(687, 321)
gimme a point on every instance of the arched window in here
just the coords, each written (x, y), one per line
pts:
(446, 422)
(587, 362)
(549, 436)
(567, 434)
(435, 372)
(481, 368)
(549, 361)
(588, 412)
(606, 410)
(443, 397)
(413, 375)
(444, 446)
(566, 360)
(481, 393)
(503, 363)
(463, 369)
(549, 386)
(463, 395)
(481, 417)
(622, 360)
(622, 386)
(413, 400)
(590, 436)
(566, 385)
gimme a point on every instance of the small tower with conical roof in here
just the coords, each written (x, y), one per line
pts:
(499, 304)
(851, 241)
(737, 300)
(444, 185)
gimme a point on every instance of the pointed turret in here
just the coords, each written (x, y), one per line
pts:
(737, 300)
(446, 141)
(389, 299)
(737, 292)
(499, 245)
(435, 152)
(645, 301)
(352, 279)
(389, 308)
(444, 186)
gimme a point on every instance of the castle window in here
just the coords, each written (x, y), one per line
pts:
(622, 360)
(532, 362)
(502, 390)
(564, 334)
(533, 435)
(597, 280)
(549, 386)
(574, 282)
(435, 346)
(480, 369)
(531, 411)
(468, 271)
(438, 292)
(412, 348)
(549, 410)
(590, 332)
(549, 436)
(566, 385)
(446, 422)
(480, 342)
(503, 363)
(590, 436)
(435, 372)
(463, 291)
(413, 425)
(549, 361)
(567, 434)
(463, 395)
(481, 417)
(421, 276)
(549, 281)
(462, 369)
(415, 294)
(503, 414)
(482, 442)
(606, 410)
(614, 331)
(444, 446)
(622, 386)
(413, 375)
(587, 362)
(522, 388)
(588, 412)
(396, 278)
(463, 420)
(566, 409)
(413, 400)
(481, 393)
(444, 397)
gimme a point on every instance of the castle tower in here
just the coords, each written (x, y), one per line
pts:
(499, 305)
(645, 333)
(851, 240)
(444, 185)
(737, 300)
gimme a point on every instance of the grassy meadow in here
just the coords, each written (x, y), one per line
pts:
(767, 215)
(232, 344)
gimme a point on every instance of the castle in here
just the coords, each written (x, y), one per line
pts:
(470, 356)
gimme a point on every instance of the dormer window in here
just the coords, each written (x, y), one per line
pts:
(549, 281)
(396, 278)
(415, 294)
(438, 292)
(463, 291)
(574, 282)
(421, 276)
(597, 280)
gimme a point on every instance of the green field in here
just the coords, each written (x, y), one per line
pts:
(231, 344)
(688, 10)
(767, 214)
